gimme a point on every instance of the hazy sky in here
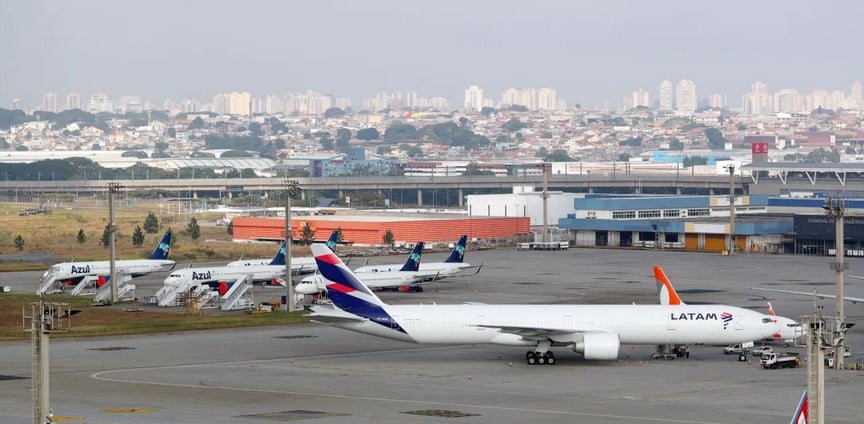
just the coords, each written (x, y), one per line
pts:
(592, 52)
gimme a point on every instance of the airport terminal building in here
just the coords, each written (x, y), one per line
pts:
(763, 224)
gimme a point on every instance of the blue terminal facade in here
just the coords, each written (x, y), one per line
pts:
(702, 223)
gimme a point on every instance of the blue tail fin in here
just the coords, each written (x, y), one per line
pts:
(279, 259)
(331, 242)
(161, 251)
(413, 262)
(458, 253)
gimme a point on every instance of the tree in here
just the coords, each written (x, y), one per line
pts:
(81, 237)
(387, 239)
(399, 131)
(307, 235)
(162, 146)
(675, 144)
(559, 155)
(367, 134)
(513, 125)
(474, 169)
(193, 230)
(694, 160)
(343, 136)
(196, 123)
(151, 223)
(106, 236)
(334, 112)
(230, 228)
(326, 141)
(19, 242)
(411, 151)
(487, 111)
(134, 154)
(716, 141)
(624, 157)
(138, 236)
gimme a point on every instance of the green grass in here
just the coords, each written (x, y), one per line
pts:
(114, 320)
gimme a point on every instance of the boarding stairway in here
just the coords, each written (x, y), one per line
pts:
(47, 284)
(124, 292)
(167, 295)
(235, 297)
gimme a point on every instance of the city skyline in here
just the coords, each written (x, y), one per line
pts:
(590, 52)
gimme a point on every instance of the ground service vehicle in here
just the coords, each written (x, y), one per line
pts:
(780, 360)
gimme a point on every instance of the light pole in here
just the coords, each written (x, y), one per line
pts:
(730, 247)
(836, 209)
(291, 190)
(112, 230)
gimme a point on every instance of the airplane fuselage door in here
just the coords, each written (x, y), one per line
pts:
(738, 322)
(671, 322)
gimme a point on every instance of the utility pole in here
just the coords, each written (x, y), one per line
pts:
(44, 318)
(836, 209)
(546, 167)
(291, 190)
(815, 366)
(730, 245)
(112, 231)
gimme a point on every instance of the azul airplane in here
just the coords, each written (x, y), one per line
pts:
(433, 270)
(73, 272)
(789, 330)
(205, 275)
(301, 265)
(595, 331)
(405, 278)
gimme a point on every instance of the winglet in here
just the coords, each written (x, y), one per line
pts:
(771, 310)
(802, 415)
(279, 259)
(413, 262)
(162, 249)
(458, 253)
(667, 293)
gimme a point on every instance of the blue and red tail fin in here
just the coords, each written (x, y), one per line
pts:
(162, 249)
(458, 253)
(279, 259)
(668, 295)
(413, 262)
(334, 238)
(344, 288)
(802, 414)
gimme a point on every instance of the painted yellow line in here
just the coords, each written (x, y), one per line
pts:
(126, 411)
(57, 419)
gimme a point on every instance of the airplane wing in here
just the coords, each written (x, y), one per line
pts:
(819, 295)
(539, 333)
(327, 315)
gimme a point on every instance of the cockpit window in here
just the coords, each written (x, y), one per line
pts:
(767, 320)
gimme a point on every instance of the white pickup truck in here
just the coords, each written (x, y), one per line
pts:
(759, 351)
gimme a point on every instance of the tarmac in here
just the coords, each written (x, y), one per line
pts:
(320, 374)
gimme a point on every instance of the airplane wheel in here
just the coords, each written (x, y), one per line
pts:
(742, 357)
(550, 360)
(541, 360)
(531, 358)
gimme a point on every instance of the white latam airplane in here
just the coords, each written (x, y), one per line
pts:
(595, 331)
(454, 264)
(301, 265)
(789, 330)
(406, 278)
(205, 275)
(70, 273)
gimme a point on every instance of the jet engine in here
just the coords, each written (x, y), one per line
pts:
(603, 346)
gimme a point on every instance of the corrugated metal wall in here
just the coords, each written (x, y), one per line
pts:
(363, 232)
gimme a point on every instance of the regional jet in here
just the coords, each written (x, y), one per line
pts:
(595, 331)
(406, 278)
(453, 265)
(301, 265)
(71, 273)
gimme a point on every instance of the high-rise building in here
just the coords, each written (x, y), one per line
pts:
(130, 104)
(666, 95)
(685, 97)
(817, 99)
(788, 100)
(411, 99)
(100, 102)
(855, 99)
(239, 103)
(73, 101)
(273, 104)
(757, 101)
(717, 101)
(49, 102)
(640, 97)
(547, 99)
(474, 98)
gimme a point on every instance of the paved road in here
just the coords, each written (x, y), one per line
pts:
(230, 376)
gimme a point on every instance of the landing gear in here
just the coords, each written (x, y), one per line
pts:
(742, 357)
(537, 358)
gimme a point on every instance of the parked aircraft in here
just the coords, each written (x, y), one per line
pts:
(70, 273)
(819, 295)
(454, 264)
(405, 278)
(205, 275)
(595, 331)
(300, 265)
(789, 329)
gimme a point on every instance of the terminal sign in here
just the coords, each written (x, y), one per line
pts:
(759, 148)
